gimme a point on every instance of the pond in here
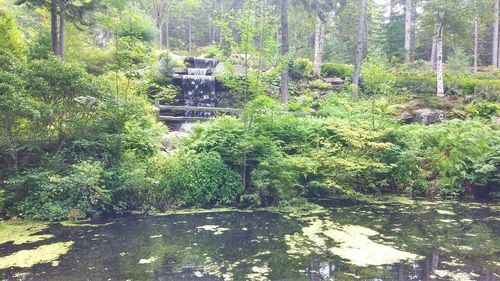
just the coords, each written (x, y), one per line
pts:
(329, 240)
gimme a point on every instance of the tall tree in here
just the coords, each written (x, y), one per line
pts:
(159, 10)
(476, 45)
(433, 52)
(284, 51)
(439, 60)
(441, 16)
(53, 27)
(360, 45)
(319, 45)
(63, 10)
(408, 29)
(494, 60)
(62, 28)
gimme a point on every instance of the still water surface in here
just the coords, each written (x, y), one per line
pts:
(435, 241)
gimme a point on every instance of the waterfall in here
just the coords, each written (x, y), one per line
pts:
(197, 71)
(199, 90)
(203, 63)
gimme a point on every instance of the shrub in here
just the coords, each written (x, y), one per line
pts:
(320, 85)
(301, 68)
(343, 71)
(276, 180)
(453, 154)
(459, 60)
(200, 180)
(57, 196)
(482, 110)
(377, 81)
(12, 38)
(133, 183)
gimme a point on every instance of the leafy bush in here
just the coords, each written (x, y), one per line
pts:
(377, 81)
(276, 180)
(343, 71)
(57, 196)
(320, 85)
(481, 109)
(12, 38)
(57, 132)
(131, 53)
(200, 180)
(301, 68)
(456, 154)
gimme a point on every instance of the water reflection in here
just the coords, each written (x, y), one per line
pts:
(456, 240)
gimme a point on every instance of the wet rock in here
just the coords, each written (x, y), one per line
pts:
(185, 71)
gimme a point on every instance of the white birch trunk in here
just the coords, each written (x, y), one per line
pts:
(494, 60)
(476, 45)
(434, 51)
(319, 44)
(408, 29)
(440, 71)
(360, 46)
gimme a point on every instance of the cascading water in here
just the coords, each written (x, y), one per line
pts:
(199, 90)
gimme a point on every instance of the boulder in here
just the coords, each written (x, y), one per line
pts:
(220, 68)
(427, 116)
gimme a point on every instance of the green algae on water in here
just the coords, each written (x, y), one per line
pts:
(43, 254)
(84, 223)
(352, 242)
(21, 232)
(217, 230)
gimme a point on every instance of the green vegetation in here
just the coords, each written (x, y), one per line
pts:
(79, 136)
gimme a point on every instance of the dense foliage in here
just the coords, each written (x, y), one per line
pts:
(79, 136)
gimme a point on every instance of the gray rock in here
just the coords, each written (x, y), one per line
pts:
(220, 68)
(427, 116)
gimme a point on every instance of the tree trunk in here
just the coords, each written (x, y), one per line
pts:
(360, 46)
(439, 71)
(190, 35)
(284, 51)
(166, 29)
(433, 54)
(220, 29)
(319, 44)
(62, 28)
(408, 30)
(476, 45)
(53, 27)
(494, 60)
(160, 36)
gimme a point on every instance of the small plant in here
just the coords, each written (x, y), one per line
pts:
(200, 180)
(320, 85)
(343, 71)
(459, 60)
(301, 68)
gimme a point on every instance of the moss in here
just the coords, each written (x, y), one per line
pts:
(83, 223)
(21, 232)
(43, 254)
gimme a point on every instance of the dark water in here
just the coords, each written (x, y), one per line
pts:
(460, 239)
